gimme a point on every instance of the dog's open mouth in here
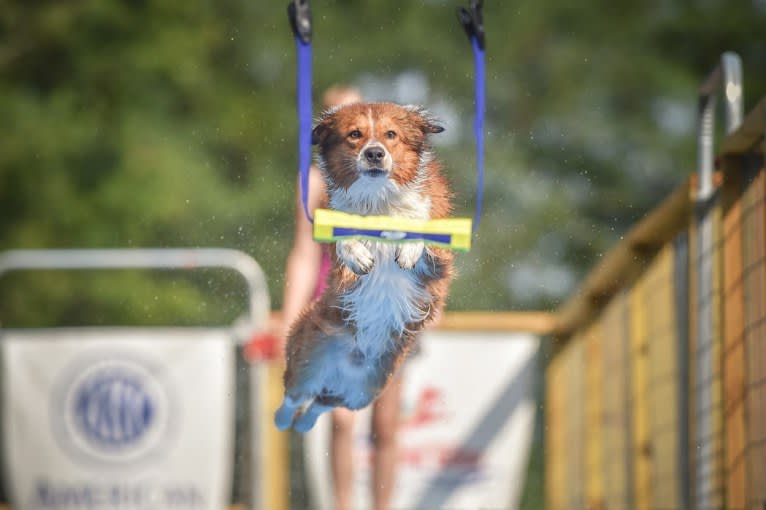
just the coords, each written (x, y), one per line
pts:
(374, 172)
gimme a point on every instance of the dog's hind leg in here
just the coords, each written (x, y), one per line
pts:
(286, 412)
(313, 348)
(306, 421)
(292, 410)
(302, 386)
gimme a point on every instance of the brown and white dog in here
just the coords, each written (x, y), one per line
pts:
(376, 160)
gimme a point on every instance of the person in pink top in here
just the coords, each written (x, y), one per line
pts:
(308, 265)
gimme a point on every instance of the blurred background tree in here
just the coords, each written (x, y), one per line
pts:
(172, 123)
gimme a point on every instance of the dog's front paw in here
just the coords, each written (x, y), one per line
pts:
(408, 254)
(356, 255)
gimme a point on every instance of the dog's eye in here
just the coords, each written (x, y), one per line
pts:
(355, 134)
(390, 135)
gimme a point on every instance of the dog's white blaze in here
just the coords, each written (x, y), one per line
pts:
(372, 123)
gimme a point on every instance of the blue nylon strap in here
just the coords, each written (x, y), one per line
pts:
(303, 89)
(478, 128)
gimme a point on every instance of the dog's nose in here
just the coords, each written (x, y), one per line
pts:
(375, 154)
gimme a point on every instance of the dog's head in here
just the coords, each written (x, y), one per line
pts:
(373, 143)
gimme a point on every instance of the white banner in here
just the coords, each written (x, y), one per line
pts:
(467, 425)
(118, 418)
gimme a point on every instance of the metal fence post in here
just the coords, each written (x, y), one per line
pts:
(726, 77)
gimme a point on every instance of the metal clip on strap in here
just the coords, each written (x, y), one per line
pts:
(473, 22)
(300, 19)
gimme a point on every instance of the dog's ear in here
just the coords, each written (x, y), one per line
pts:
(324, 126)
(428, 123)
(318, 133)
(433, 127)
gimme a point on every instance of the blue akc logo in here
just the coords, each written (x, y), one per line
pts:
(111, 410)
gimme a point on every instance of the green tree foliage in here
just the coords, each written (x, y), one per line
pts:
(172, 123)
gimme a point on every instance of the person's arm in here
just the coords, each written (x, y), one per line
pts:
(304, 260)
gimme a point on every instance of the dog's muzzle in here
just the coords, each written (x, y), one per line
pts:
(374, 161)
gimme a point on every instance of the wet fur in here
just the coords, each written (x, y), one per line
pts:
(344, 347)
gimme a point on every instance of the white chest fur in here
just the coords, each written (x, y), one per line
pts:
(384, 301)
(382, 196)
